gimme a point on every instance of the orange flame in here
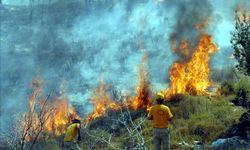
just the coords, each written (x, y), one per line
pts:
(61, 115)
(142, 98)
(193, 76)
(101, 102)
(49, 117)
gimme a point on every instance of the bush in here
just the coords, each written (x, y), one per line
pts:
(244, 83)
(243, 93)
(198, 118)
(227, 88)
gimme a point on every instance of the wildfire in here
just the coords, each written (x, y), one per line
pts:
(45, 116)
(101, 102)
(142, 98)
(61, 115)
(192, 76)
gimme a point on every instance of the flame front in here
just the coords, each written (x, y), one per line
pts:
(142, 98)
(101, 103)
(193, 76)
(48, 117)
(60, 116)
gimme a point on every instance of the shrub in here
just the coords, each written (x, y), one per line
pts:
(198, 118)
(227, 88)
(243, 93)
(243, 83)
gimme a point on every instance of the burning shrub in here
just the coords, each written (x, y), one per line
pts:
(43, 117)
(192, 76)
(101, 102)
(143, 92)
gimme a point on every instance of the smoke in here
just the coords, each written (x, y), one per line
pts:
(224, 19)
(116, 40)
(190, 14)
(26, 2)
(78, 42)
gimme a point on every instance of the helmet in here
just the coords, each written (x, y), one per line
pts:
(159, 95)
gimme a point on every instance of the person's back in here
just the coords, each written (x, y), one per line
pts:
(160, 115)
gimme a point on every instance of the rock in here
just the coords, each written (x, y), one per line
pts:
(183, 144)
(198, 145)
(230, 143)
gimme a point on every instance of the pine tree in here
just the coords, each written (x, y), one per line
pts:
(241, 42)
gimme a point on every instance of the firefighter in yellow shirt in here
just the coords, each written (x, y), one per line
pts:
(72, 132)
(160, 116)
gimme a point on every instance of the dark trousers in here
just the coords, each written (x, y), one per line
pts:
(161, 138)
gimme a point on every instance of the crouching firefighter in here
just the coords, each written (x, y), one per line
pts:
(72, 136)
(161, 116)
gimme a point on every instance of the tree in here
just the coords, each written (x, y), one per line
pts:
(241, 42)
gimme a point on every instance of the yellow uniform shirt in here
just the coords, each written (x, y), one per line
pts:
(161, 114)
(71, 132)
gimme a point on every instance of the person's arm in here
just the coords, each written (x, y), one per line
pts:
(79, 133)
(170, 115)
(150, 116)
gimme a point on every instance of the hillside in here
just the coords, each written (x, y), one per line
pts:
(197, 124)
(104, 63)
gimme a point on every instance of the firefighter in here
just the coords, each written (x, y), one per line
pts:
(161, 116)
(72, 132)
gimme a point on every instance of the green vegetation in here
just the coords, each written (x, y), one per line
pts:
(203, 119)
(241, 42)
(196, 118)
